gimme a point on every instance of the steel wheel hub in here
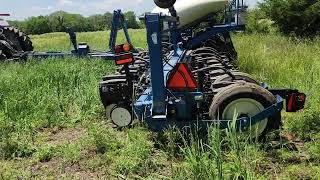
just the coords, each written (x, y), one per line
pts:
(121, 117)
(246, 107)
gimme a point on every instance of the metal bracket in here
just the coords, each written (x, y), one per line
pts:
(118, 21)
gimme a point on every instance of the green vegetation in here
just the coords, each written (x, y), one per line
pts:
(60, 20)
(52, 123)
(294, 17)
(258, 22)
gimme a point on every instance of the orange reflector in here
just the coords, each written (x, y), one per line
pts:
(181, 78)
(126, 47)
(122, 48)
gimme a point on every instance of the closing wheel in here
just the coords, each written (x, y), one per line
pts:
(121, 117)
(246, 100)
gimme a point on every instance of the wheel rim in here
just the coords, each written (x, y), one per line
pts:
(121, 117)
(246, 107)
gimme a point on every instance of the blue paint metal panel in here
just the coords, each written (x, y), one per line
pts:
(114, 30)
(241, 124)
(153, 23)
(196, 41)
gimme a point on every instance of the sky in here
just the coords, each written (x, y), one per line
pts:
(21, 9)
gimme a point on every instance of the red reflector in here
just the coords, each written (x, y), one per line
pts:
(295, 101)
(181, 78)
(118, 49)
(290, 103)
(124, 59)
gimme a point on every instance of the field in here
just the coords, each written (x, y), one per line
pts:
(52, 124)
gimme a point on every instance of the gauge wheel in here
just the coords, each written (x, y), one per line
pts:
(245, 100)
(121, 117)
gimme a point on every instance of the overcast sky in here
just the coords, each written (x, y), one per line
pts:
(21, 9)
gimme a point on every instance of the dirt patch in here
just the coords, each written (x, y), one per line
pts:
(56, 168)
(66, 135)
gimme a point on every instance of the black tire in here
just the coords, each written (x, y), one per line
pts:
(19, 40)
(238, 76)
(164, 4)
(2, 56)
(224, 45)
(6, 49)
(245, 90)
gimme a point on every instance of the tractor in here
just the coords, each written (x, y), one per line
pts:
(13, 42)
(189, 76)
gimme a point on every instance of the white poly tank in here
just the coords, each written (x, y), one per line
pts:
(191, 10)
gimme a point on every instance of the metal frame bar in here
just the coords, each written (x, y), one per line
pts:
(196, 41)
(159, 93)
(241, 124)
(118, 20)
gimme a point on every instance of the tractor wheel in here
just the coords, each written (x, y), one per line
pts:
(18, 40)
(6, 49)
(247, 100)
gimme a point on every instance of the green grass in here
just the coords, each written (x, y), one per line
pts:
(52, 123)
(96, 40)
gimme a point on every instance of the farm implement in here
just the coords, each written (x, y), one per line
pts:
(15, 45)
(83, 50)
(188, 77)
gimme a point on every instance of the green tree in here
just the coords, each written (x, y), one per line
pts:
(258, 22)
(298, 17)
(37, 25)
(97, 22)
(131, 20)
(60, 20)
(100, 22)
(108, 19)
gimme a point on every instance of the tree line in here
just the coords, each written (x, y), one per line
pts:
(60, 20)
(299, 18)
